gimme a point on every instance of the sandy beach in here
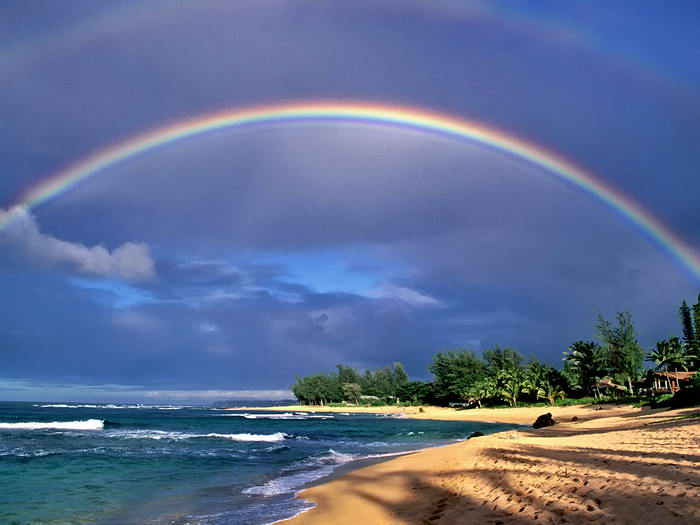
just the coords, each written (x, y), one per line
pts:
(617, 464)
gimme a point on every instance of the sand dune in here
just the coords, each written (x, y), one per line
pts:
(616, 465)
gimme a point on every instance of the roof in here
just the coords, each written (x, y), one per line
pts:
(681, 376)
(606, 383)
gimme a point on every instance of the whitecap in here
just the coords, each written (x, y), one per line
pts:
(284, 415)
(277, 436)
(88, 424)
(177, 436)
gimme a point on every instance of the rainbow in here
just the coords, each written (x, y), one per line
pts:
(404, 117)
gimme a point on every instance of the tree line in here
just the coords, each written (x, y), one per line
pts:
(503, 375)
(347, 384)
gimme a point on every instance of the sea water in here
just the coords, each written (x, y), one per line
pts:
(156, 464)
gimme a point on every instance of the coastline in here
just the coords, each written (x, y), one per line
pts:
(620, 464)
(517, 416)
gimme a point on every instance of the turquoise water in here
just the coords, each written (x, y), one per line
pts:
(118, 464)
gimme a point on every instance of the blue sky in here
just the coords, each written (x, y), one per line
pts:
(229, 263)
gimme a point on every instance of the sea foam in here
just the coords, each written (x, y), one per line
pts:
(284, 415)
(127, 407)
(88, 424)
(177, 436)
(277, 436)
(308, 470)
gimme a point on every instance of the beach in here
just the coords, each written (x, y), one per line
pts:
(617, 464)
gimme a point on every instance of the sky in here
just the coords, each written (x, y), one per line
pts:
(227, 263)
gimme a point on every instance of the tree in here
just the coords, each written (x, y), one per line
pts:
(415, 392)
(499, 359)
(484, 388)
(680, 358)
(696, 321)
(317, 389)
(455, 371)
(550, 392)
(584, 365)
(399, 377)
(687, 324)
(690, 320)
(352, 392)
(623, 352)
(668, 353)
(512, 384)
(691, 357)
(347, 374)
(385, 382)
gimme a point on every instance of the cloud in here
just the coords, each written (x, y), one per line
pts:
(136, 320)
(25, 390)
(403, 293)
(131, 261)
(218, 395)
(208, 328)
(477, 248)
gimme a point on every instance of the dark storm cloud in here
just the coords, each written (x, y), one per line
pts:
(437, 243)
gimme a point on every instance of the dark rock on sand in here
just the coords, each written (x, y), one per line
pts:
(545, 420)
(475, 435)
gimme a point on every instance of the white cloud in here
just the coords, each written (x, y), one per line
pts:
(131, 260)
(402, 293)
(25, 390)
(208, 328)
(138, 321)
(220, 394)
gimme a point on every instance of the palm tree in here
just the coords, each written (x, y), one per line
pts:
(484, 388)
(680, 358)
(587, 361)
(536, 374)
(668, 352)
(512, 384)
(692, 357)
(550, 392)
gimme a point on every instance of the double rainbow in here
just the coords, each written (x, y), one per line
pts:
(404, 117)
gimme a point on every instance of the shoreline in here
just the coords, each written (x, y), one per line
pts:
(516, 415)
(525, 476)
(339, 472)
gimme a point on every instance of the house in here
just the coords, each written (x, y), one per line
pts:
(669, 382)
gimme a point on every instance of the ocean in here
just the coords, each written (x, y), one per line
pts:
(117, 464)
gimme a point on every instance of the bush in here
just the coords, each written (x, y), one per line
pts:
(568, 401)
(661, 401)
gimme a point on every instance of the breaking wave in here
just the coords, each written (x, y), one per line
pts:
(88, 424)
(304, 472)
(284, 415)
(177, 436)
(126, 407)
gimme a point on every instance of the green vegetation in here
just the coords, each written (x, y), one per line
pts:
(348, 385)
(622, 352)
(584, 366)
(610, 370)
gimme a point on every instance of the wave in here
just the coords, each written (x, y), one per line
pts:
(88, 424)
(18, 453)
(307, 471)
(178, 436)
(126, 407)
(277, 436)
(284, 415)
